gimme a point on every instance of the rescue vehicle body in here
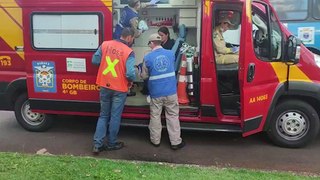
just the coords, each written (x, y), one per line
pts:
(46, 69)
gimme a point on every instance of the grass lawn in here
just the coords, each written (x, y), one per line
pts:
(24, 167)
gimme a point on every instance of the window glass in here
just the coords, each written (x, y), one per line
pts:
(316, 9)
(291, 9)
(276, 38)
(65, 31)
(260, 31)
(262, 42)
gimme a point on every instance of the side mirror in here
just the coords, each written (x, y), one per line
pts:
(293, 50)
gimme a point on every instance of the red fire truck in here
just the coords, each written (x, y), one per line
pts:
(45, 66)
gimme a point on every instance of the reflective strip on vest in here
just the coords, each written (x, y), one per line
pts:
(110, 67)
(162, 76)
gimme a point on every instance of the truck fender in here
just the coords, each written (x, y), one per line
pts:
(275, 99)
(304, 91)
(15, 88)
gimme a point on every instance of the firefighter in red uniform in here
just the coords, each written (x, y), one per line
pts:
(116, 72)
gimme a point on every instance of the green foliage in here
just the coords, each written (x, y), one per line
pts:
(20, 166)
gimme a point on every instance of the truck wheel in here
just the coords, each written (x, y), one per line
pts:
(294, 124)
(29, 120)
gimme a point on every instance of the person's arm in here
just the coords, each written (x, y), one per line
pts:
(220, 46)
(151, 3)
(134, 24)
(145, 5)
(96, 58)
(219, 43)
(145, 72)
(131, 74)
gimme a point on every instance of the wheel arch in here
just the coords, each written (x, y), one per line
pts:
(302, 91)
(15, 88)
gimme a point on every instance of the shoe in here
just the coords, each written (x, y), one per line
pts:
(148, 99)
(178, 146)
(117, 146)
(97, 150)
(153, 144)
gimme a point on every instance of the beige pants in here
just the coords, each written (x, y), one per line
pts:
(227, 58)
(172, 119)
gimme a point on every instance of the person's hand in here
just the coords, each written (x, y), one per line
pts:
(235, 49)
(130, 84)
(139, 67)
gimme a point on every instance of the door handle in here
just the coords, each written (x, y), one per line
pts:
(251, 72)
(19, 48)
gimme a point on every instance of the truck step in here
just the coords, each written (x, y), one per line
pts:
(187, 126)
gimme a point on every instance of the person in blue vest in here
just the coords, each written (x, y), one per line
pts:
(129, 17)
(158, 67)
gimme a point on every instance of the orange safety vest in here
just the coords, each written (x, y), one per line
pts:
(112, 70)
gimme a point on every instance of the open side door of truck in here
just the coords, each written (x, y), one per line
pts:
(258, 81)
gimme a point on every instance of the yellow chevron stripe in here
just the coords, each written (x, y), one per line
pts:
(14, 10)
(16, 13)
(207, 7)
(248, 9)
(107, 3)
(295, 73)
(10, 32)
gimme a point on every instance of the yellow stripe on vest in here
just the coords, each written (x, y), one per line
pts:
(110, 67)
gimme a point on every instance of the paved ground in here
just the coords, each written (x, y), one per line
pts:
(74, 136)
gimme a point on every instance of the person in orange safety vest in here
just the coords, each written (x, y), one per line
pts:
(115, 76)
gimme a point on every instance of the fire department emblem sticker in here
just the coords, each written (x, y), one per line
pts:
(44, 76)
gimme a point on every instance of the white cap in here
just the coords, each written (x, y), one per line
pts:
(155, 37)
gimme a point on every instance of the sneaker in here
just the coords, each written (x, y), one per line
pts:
(97, 150)
(178, 146)
(148, 99)
(153, 144)
(117, 146)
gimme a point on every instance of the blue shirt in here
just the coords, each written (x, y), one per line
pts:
(126, 15)
(130, 73)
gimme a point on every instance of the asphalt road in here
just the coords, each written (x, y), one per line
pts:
(73, 136)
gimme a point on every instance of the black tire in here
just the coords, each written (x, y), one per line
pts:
(294, 124)
(36, 122)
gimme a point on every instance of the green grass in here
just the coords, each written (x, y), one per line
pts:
(21, 166)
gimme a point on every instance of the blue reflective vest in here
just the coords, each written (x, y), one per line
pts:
(162, 78)
(126, 15)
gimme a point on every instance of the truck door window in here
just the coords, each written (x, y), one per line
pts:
(65, 31)
(266, 48)
(276, 38)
